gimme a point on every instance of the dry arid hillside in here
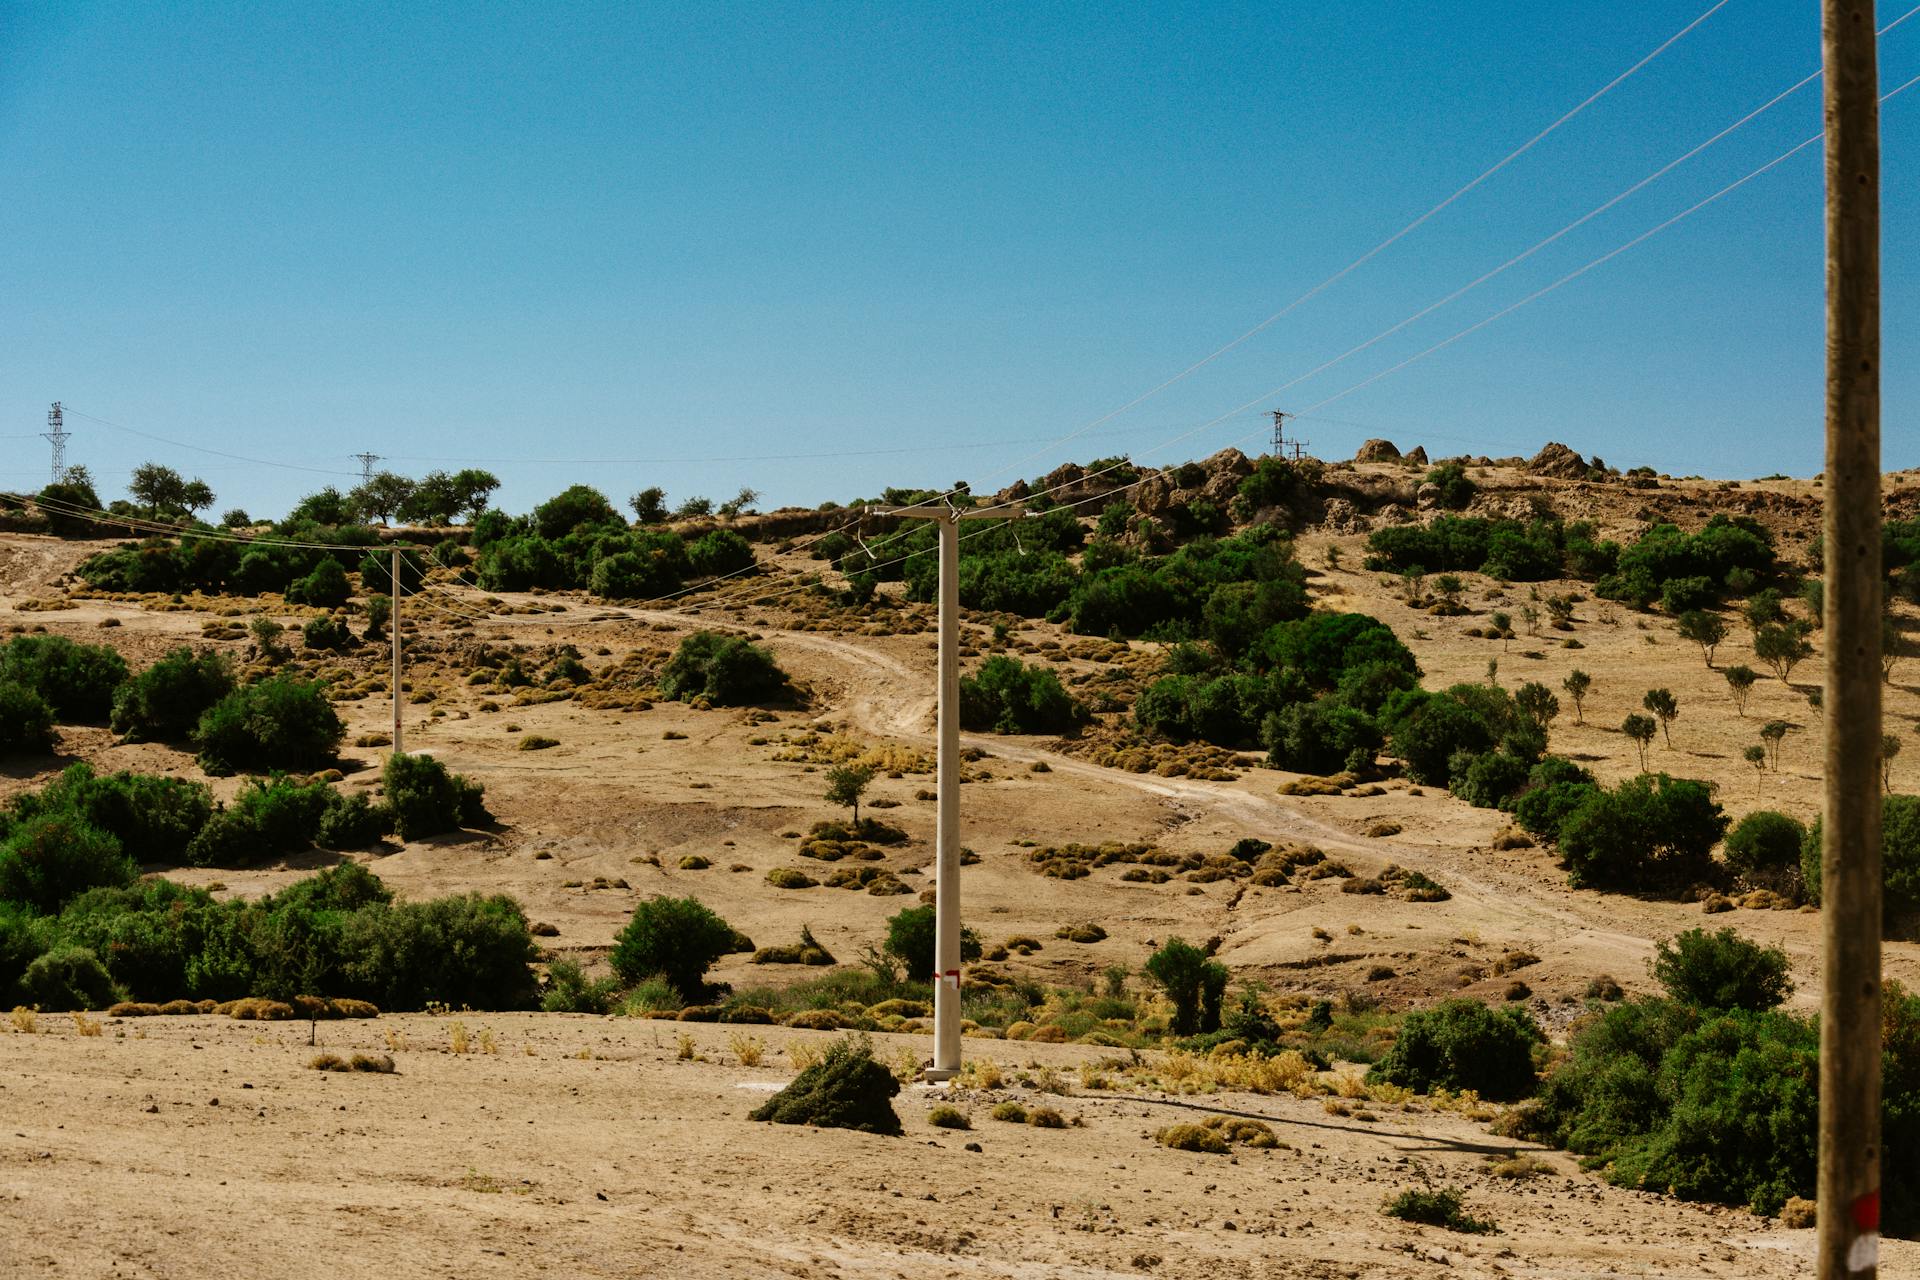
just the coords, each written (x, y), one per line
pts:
(203, 1145)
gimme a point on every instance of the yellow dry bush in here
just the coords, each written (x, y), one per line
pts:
(980, 1073)
(686, 1047)
(83, 1025)
(749, 1049)
(486, 1041)
(396, 1040)
(1349, 1085)
(1391, 1095)
(458, 1034)
(1181, 1065)
(24, 1020)
(804, 1055)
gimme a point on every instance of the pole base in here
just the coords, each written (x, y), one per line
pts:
(938, 1075)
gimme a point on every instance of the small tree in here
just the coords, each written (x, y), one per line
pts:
(1663, 704)
(1449, 588)
(695, 507)
(650, 505)
(1503, 627)
(1782, 647)
(740, 504)
(1705, 629)
(911, 938)
(1641, 729)
(384, 495)
(1756, 755)
(1889, 748)
(266, 637)
(846, 783)
(1722, 971)
(675, 938)
(1537, 703)
(1893, 646)
(1771, 733)
(1186, 974)
(1576, 684)
(1740, 681)
(1531, 617)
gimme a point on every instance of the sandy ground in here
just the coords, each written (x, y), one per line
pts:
(201, 1147)
(490, 1163)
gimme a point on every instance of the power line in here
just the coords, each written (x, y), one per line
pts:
(1603, 258)
(1380, 248)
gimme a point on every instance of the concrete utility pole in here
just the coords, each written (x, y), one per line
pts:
(1849, 1196)
(398, 749)
(946, 900)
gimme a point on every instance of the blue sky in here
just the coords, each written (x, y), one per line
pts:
(733, 231)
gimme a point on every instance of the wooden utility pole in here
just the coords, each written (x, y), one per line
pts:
(1849, 1195)
(398, 749)
(946, 899)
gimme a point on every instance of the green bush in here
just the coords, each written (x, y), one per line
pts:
(846, 1089)
(1431, 730)
(1764, 847)
(1650, 831)
(65, 978)
(326, 587)
(1899, 864)
(726, 670)
(279, 723)
(326, 632)
(1443, 1207)
(26, 721)
(573, 507)
(1709, 1106)
(166, 701)
(912, 935)
(76, 681)
(568, 990)
(677, 938)
(153, 818)
(425, 799)
(46, 860)
(718, 552)
(468, 950)
(1722, 971)
(1193, 982)
(1463, 1044)
(1007, 696)
(1456, 487)
(351, 822)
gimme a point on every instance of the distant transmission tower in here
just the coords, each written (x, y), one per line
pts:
(366, 461)
(56, 435)
(1281, 445)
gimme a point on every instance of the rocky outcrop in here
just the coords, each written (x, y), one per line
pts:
(1377, 451)
(1418, 456)
(1558, 461)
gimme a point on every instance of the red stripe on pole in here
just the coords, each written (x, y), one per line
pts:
(1866, 1211)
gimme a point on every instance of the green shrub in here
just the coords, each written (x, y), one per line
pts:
(326, 587)
(1007, 696)
(724, 669)
(718, 552)
(1649, 831)
(426, 800)
(1463, 1044)
(846, 1089)
(677, 938)
(76, 681)
(326, 632)
(267, 819)
(46, 860)
(573, 507)
(1710, 1106)
(912, 935)
(1437, 1208)
(568, 990)
(464, 950)
(1193, 982)
(279, 723)
(1899, 864)
(153, 818)
(66, 978)
(352, 822)
(1722, 971)
(1765, 846)
(26, 721)
(1456, 488)
(166, 701)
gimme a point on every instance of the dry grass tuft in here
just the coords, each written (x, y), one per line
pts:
(1046, 1118)
(749, 1049)
(948, 1117)
(83, 1025)
(24, 1020)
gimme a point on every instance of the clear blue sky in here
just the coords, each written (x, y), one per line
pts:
(641, 230)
